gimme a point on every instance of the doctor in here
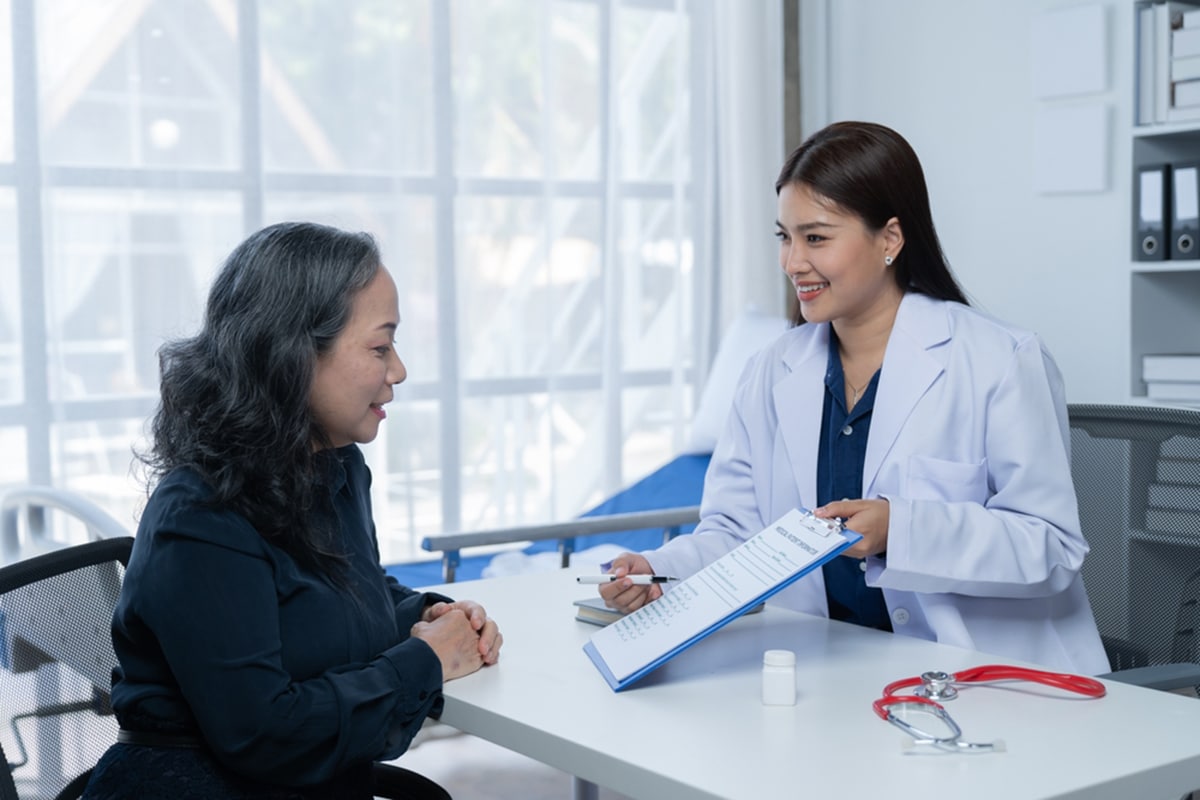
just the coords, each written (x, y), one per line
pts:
(938, 433)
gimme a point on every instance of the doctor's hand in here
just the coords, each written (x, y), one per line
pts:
(624, 595)
(868, 517)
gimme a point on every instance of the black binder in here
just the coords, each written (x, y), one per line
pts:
(1151, 212)
(1185, 211)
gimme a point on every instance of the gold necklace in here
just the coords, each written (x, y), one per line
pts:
(857, 392)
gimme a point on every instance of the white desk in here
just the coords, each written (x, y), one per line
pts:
(695, 728)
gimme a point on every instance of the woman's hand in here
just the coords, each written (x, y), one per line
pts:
(490, 639)
(868, 517)
(454, 640)
(625, 595)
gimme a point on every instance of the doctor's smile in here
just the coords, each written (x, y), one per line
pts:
(807, 291)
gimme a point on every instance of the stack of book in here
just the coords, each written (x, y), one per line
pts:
(1173, 378)
(1168, 61)
(593, 610)
(1185, 66)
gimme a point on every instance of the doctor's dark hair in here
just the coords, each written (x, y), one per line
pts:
(234, 402)
(870, 171)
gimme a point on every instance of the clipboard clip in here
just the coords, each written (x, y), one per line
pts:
(823, 526)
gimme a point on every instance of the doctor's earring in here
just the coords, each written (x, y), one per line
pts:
(887, 260)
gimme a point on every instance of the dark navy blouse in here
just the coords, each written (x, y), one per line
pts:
(288, 679)
(840, 460)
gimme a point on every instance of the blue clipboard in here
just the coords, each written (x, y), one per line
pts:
(617, 684)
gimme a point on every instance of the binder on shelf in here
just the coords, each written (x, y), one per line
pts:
(1150, 217)
(1161, 75)
(1185, 211)
(1143, 79)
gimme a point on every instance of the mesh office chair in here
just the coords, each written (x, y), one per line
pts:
(57, 659)
(1137, 476)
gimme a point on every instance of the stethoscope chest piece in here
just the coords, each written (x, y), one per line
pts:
(937, 686)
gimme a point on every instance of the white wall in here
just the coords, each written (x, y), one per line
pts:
(954, 77)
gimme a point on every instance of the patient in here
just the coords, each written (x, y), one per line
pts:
(936, 431)
(263, 652)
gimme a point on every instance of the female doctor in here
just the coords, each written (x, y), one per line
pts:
(938, 433)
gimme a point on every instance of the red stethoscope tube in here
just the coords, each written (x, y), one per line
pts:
(1078, 684)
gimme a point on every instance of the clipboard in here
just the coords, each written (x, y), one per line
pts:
(782, 553)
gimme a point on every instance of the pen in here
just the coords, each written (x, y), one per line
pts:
(635, 578)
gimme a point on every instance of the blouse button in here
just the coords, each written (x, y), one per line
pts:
(846, 431)
(862, 565)
(900, 616)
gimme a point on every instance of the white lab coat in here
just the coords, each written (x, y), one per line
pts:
(970, 445)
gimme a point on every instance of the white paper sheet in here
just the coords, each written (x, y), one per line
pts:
(785, 550)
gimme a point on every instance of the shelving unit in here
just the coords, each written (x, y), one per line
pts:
(1164, 295)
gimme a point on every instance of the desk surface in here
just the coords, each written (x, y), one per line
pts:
(695, 728)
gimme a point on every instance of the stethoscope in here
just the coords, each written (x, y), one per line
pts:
(935, 686)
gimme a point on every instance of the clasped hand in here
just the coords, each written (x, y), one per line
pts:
(462, 635)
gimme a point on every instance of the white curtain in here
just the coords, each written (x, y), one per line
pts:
(576, 197)
(748, 50)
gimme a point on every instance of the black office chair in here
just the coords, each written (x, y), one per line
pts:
(57, 659)
(1137, 476)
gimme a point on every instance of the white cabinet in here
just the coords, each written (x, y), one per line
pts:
(1164, 295)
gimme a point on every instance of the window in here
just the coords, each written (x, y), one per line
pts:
(524, 165)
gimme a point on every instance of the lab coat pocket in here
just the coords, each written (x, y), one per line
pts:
(948, 481)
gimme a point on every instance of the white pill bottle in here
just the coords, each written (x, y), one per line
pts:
(779, 678)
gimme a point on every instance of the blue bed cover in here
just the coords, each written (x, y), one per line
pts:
(679, 482)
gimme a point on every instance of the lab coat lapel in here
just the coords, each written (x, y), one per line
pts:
(910, 366)
(798, 398)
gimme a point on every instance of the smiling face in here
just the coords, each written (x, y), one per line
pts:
(354, 378)
(835, 263)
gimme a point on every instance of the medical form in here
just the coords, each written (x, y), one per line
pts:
(784, 551)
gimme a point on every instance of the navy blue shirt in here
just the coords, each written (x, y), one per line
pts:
(840, 458)
(289, 679)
